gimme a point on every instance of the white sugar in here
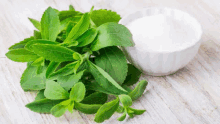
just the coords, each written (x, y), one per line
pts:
(162, 33)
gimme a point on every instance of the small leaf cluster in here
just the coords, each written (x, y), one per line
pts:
(74, 60)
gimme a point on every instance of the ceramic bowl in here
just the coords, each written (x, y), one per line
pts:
(161, 63)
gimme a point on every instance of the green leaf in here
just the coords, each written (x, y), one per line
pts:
(68, 69)
(71, 8)
(95, 98)
(136, 111)
(102, 16)
(68, 81)
(42, 105)
(59, 109)
(86, 108)
(28, 46)
(36, 23)
(112, 34)
(51, 68)
(70, 106)
(50, 24)
(37, 35)
(78, 56)
(78, 92)
(130, 112)
(113, 61)
(21, 44)
(21, 55)
(40, 69)
(138, 90)
(38, 62)
(68, 23)
(30, 80)
(106, 111)
(105, 80)
(54, 91)
(120, 109)
(69, 27)
(87, 37)
(122, 118)
(132, 76)
(79, 28)
(53, 52)
(66, 14)
(40, 95)
(96, 87)
(125, 100)
(126, 88)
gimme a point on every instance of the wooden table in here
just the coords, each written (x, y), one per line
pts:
(190, 96)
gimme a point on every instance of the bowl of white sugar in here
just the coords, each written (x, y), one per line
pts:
(165, 39)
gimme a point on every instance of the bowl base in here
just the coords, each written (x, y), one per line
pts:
(160, 74)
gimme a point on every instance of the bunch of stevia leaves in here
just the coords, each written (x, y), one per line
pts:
(74, 61)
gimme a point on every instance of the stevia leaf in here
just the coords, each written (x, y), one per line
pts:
(51, 68)
(66, 70)
(87, 37)
(21, 44)
(59, 109)
(78, 57)
(105, 80)
(70, 106)
(133, 75)
(126, 88)
(30, 80)
(112, 34)
(38, 62)
(122, 118)
(28, 46)
(42, 105)
(102, 16)
(36, 23)
(66, 14)
(69, 27)
(40, 69)
(137, 111)
(78, 92)
(96, 87)
(70, 44)
(21, 55)
(125, 100)
(95, 98)
(53, 52)
(113, 61)
(40, 95)
(86, 108)
(79, 28)
(37, 35)
(120, 109)
(71, 8)
(106, 111)
(68, 81)
(54, 91)
(138, 90)
(130, 113)
(64, 23)
(83, 66)
(50, 24)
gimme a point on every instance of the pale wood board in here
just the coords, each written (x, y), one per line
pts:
(190, 96)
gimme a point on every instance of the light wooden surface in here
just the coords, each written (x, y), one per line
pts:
(190, 96)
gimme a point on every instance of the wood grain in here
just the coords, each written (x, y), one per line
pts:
(190, 96)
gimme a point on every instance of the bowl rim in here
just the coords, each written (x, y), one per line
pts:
(142, 10)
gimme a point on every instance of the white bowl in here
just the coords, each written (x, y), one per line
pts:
(160, 63)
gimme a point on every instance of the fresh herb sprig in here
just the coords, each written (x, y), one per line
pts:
(75, 62)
